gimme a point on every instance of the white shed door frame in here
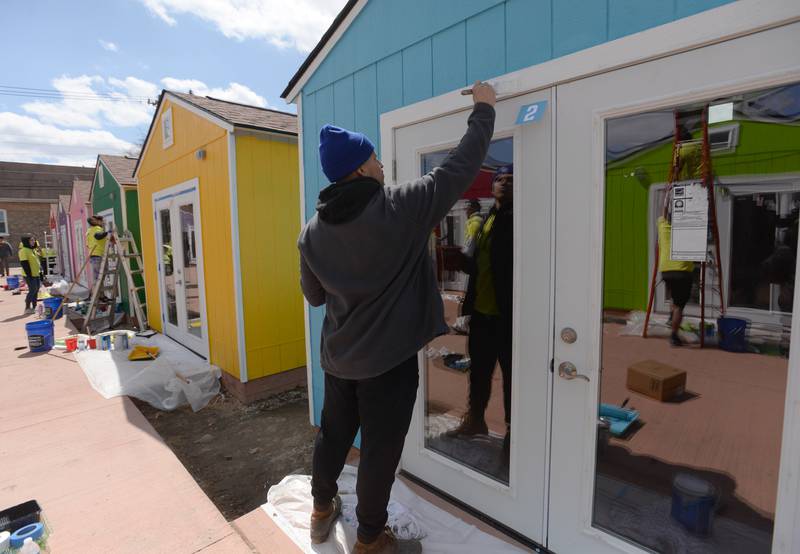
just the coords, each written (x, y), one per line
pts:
(673, 69)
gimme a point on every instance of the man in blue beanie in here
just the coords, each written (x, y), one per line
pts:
(364, 255)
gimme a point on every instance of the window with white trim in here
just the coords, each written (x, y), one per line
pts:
(3, 223)
(101, 177)
(167, 134)
(724, 139)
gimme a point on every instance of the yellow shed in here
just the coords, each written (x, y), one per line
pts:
(219, 204)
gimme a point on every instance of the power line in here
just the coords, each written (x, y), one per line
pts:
(29, 92)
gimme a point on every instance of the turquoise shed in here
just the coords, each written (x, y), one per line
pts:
(567, 72)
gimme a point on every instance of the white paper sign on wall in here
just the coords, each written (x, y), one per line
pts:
(689, 222)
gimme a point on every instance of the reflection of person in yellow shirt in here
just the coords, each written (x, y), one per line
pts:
(677, 275)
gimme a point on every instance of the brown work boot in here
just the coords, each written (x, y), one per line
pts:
(470, 425)
(387, 543)
(322, 521)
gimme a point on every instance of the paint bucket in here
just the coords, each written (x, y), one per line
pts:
(693, 502)
(40, 335)
(51, 306)
(91, 343)
(71, 343)
(12, 282)
(732, 333)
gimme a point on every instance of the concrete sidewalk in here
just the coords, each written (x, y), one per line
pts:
(104, 478)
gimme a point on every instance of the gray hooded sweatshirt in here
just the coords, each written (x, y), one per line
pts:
(364, 254)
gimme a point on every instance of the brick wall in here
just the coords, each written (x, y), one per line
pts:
(26, 218)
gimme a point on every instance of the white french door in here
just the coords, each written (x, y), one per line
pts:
(180, 265)
(714, 470)
(498, 470)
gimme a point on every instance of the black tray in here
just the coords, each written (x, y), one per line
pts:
(19, 516)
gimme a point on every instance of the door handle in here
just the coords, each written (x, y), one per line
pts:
(568, 371)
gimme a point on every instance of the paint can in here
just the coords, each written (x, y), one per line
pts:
(105, 342)
(71, 343)
(122, 342)
(693, 503)
(91, 343)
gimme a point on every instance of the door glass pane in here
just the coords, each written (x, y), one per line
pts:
(468, 371)
(689, 436)
(189, 270)
(169, 269)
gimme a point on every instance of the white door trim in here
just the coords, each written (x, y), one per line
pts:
(190, 186)
(306, 307)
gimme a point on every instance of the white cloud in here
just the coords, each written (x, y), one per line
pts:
(235, 92)
(107, 45)
(25, 139)
(297, 24)
(90, 101)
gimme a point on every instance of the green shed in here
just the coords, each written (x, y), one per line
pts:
(114, 196)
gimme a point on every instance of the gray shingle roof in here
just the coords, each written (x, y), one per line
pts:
(242, 115)
(121, 167)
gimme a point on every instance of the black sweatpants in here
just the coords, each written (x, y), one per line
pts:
(382, 406)
(489, 342)
(33, 291)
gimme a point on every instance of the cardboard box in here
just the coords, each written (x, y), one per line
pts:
(656, 380)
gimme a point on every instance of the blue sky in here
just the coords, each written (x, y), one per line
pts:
(84, 52)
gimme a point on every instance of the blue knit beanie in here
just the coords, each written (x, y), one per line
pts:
(503, 170)
(341, 152)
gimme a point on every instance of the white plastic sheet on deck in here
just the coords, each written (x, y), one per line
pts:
(410, 517)
(176, 377)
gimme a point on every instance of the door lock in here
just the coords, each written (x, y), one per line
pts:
(568, 371)
(569, 335)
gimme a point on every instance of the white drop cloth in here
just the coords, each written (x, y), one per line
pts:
(176, 377)
(289, 506)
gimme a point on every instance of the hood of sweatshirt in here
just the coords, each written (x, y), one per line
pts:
(343, 202)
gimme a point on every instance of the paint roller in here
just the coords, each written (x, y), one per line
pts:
(501, 88)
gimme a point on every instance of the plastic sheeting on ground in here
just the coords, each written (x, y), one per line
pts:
(410, 517)
(176, 377)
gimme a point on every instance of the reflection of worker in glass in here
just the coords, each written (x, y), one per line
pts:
(489, 303)
(677, 275)
(474, 220)
(166, 257)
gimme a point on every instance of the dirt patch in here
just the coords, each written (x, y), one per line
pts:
(237, 452)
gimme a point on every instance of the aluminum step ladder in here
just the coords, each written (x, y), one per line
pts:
(118, 253)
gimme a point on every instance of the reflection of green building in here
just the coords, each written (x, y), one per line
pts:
(114, 196)
(750, 155)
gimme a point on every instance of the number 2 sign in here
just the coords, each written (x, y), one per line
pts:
(531, 112)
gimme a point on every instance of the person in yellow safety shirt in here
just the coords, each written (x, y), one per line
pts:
(96, 238)
(29, 260)
(677, 275)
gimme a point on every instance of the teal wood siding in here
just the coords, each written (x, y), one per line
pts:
(398, 53)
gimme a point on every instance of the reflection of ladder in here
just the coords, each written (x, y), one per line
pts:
(118, 253)
(713, 261)
(51, 262)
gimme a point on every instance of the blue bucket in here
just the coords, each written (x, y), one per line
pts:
(12, 282)
(51, 306)
(732, 334)
(40, 335)
(693, 503)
